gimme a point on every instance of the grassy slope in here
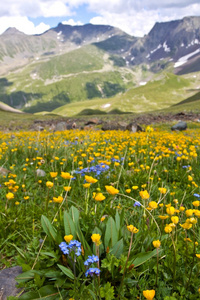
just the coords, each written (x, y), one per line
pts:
(74, 76)
(160, 93)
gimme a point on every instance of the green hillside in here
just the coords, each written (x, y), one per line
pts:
(82, 74)
(165, 90)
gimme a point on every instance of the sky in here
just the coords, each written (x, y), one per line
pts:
(135, 17)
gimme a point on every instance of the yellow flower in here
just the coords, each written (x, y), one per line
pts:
(190, 178)
(132, 229)
(153, 205)
(16, 203)
(103, 218)
(98, 196)
(168, 229)
(86, 185)
(58, 200)
(134, 187)
(111, 190)
(10, 196)
(175, 219)
(96, 238)
(198, 255)
(67, 188)
(170, 210)
(128, 191)
(156, 244)
(90, 179)
(66, 175)
(196, 203)
(26, 197)
(144, 195)
(68, 238)
(53, 174)
(49, 184)
(162, 190)
(149, 294)
(186, 225)
(189, 212)
(182, 208)
(163, 217)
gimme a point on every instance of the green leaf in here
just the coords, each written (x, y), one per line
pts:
(75, 214)
(69, 225)
(107, 291)
(66, 271)
(118, 248)
(26, 276)
(49, 229)
(47, 292)
(143, 257)
(51, 254)
(83, 241)
(117, 220)
(111, 234)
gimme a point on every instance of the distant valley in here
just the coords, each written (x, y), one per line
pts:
(101, 68)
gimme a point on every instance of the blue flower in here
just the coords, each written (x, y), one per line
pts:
(91, 259)
(64, 248)
(92, 272)
(136, 204)
(196, 195)
(74, 246)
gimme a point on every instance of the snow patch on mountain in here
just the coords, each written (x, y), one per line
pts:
(182, 60)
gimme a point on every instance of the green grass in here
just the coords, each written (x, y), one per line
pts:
(166, 89)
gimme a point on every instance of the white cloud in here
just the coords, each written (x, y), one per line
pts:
(72, 22)
(135, 17)
(140, 22)
(22, 24)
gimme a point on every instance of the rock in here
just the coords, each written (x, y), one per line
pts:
(93, 122)
(133, 127)
(61, 126)
(112, 126)
(40, 173)
(3, 172)
(71, 126)
(8, 283)
(181, 125)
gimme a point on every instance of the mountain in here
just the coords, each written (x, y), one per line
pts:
(68, 64)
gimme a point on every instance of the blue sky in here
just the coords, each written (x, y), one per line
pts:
(135, 17)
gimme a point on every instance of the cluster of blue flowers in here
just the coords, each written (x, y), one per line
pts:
(98, 169)
(92, 272)
(74, 246)
(185, 167)
(91, 259)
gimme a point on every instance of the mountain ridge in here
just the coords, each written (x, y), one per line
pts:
(68, 64)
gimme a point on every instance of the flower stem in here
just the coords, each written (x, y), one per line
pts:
(129, 251)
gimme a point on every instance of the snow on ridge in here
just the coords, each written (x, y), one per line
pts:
(106, 105)
(154, 50)
(182, 60)
(166, 48)
(59, 33)
(142, 83)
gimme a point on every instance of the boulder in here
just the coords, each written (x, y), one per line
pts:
(8, 283)
(133, 127)
(61, 126)
(181, 125)
(40, 173)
